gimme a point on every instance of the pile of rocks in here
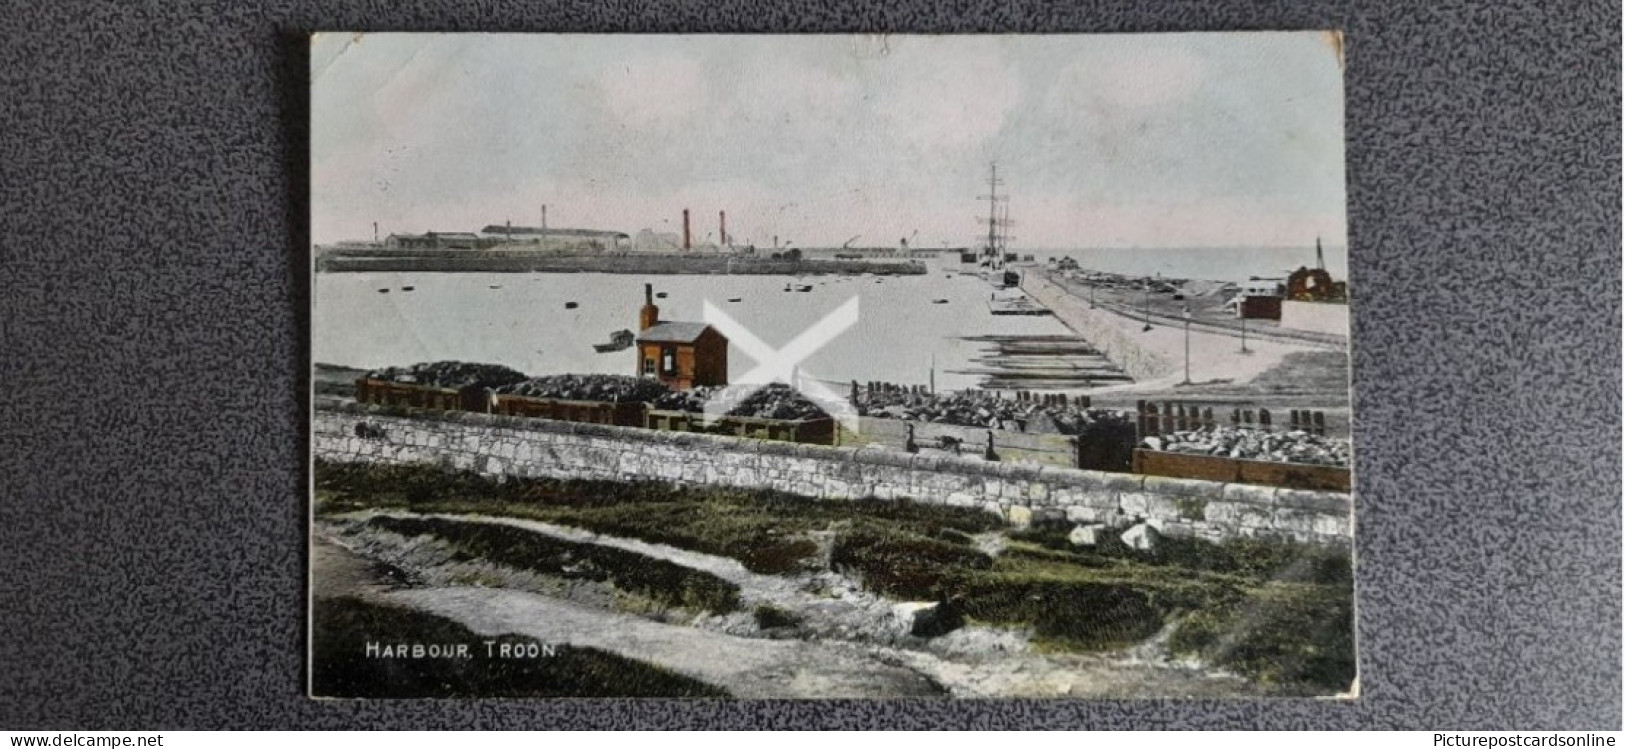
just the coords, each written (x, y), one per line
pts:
(594, 387)
(979, 408)
(775, 401)
(450, 374)
(1255, 444)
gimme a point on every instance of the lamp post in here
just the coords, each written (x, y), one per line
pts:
(1243, 314)
(1147, 305)
(1187, 345)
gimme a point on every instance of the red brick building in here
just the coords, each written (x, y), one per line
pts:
(681, 355)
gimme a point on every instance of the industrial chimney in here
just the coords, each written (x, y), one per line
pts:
(722, 228)
(650, 314)
(685, 229)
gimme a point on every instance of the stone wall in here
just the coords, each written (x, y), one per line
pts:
(1022, 494)
(1104, 328)
(1320, 317)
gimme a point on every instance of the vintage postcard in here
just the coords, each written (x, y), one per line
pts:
(830, 366)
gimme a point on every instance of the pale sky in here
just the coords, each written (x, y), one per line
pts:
(1143, 140)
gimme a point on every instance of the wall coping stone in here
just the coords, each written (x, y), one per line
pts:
(1184, 487)
(868, 455)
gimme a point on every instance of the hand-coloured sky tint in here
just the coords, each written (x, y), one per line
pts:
(1166, 140)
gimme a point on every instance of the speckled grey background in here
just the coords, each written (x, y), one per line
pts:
(153, 297)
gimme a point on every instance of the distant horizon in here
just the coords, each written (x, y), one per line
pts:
(1131, 141)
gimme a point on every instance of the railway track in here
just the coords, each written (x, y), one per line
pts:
(1319, 340)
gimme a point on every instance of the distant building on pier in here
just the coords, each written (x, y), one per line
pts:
(434, 240)
(555, 239)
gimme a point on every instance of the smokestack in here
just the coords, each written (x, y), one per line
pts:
(375, 232)
(650, 314)
(722, 225)
(544, 217)
(1320, 257)
(685, 229)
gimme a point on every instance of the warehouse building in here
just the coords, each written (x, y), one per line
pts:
(545, 238)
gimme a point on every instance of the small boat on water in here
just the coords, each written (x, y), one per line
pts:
(408, 288)
(804, 288)
(660, 295)
(496, 286)
(735, 299)
(620, 340)
(939, 301)
(383, 291)
(571, 305)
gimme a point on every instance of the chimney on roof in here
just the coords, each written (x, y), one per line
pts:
(650, 314)
(722, 228)
(685, 229)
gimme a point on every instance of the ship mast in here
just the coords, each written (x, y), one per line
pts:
(998, 219)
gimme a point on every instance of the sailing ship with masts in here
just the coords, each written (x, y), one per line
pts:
(995, 251)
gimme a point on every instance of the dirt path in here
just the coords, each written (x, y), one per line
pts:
(746, 667)
(830, 606)
(852, 649)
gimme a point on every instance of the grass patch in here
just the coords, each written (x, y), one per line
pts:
(1289, 635)
(1072, 615)
(764, 530)
(656, 579)
(769, 616)
(1279, 612)
(1110, 603)
(1257, 559)
(342, 628)
(903, 564)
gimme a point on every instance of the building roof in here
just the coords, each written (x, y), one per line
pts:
(673, 332)
(452, 235)
(550, 232)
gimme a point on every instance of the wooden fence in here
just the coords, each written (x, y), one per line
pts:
(1236, 470)
(629, 414)
(922, 392)
(820, 431)
(387, 393)
(1152, 420)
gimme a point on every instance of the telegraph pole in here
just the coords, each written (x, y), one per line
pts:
(1187, 344)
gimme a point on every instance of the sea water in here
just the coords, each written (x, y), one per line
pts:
(520, 320)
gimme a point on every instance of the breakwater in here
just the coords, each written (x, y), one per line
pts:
(538, 261)
(1105, 329)
(346, 431)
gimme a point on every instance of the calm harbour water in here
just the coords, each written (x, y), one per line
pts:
(524, 323)
(901, 333)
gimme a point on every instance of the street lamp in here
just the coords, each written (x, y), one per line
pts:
(1147, 306)
(1243, 314)
(1187, 345)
